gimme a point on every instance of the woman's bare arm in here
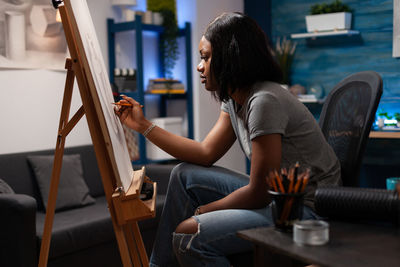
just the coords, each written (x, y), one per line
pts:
(214, 146)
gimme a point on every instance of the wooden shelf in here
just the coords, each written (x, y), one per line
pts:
(312, 101)
(128, 205)
(383, 134)
(323, 34)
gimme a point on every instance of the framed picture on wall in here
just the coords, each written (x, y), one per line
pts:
(31, 35)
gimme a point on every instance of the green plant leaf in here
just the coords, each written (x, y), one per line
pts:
(157, 5)
(169, 42)
(324, 8)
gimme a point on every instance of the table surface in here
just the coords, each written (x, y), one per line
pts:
(349, 245)
(384, 134)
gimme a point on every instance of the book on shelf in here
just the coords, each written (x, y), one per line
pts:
(165, 86)
(307, 98)
(166, 91)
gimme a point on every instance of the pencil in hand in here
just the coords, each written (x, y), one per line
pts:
(124, 104)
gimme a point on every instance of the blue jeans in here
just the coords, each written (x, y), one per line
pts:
(189, 187)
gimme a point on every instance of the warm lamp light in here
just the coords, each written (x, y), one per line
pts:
(58, 16)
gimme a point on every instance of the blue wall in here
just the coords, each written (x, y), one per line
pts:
(326, 61)
(260, 11)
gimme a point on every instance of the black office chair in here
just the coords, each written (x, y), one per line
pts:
(346, 120)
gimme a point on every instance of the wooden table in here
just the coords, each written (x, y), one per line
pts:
(384, 134)
(350, 245)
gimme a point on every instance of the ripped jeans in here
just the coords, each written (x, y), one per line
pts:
(189, 187)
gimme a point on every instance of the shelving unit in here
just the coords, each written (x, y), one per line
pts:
(139, 94)
(323, 34)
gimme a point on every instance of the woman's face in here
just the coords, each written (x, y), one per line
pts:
(204, 65)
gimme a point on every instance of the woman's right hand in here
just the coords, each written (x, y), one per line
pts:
(132, 116)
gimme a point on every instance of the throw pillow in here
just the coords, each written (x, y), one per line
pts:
(5, 188)
(72, 188)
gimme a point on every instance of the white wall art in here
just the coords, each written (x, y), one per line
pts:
(31, 35)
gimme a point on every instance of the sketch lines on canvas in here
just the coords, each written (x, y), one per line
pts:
(103, 88)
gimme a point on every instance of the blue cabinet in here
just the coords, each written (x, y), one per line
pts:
(139, 95)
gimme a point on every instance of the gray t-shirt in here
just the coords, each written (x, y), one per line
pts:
(271, 109)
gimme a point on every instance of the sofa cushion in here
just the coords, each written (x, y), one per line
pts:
(5, 188)
(85, 227)
(72, 189)
(15, 171)
(90, 168)
(78, 229)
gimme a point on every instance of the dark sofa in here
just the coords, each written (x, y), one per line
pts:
(81, 236)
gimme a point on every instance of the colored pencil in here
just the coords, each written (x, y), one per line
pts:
(124, 104)
(279, 182)
(292, 176)
(272, 182)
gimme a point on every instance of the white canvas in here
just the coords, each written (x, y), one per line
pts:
(99, 73)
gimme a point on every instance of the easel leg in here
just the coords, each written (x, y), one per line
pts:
(135, 244)
(131, 247)
(133, 250)
(126, 256)
(57, 164)
(140, 245)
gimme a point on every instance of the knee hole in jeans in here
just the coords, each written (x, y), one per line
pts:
(188, 226)
(183, 241)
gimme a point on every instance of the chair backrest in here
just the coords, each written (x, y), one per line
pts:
(346, 120)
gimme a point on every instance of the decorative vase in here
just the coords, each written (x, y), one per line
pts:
(328, 22)
(381, 123)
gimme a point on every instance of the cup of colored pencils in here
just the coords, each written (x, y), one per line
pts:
(286, 188)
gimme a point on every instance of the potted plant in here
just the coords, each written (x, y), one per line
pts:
(284, 54)
(169, 43)
(329, 17)
(397, 117)
(382, 116)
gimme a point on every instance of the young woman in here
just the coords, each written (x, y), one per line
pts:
(206, 205)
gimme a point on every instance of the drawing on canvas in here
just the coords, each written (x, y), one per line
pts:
(99, 73)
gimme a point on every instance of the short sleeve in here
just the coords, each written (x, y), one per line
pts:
(224, 107)
(266, 115)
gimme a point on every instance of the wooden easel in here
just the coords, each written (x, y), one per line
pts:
(126, 208)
